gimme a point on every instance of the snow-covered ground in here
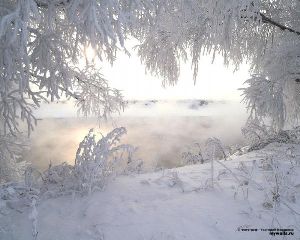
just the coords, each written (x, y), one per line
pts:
(174, 204)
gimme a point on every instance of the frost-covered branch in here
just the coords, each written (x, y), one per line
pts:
(268, 20)
(263, 33)
(96, 97)
(41, 45)
(42, 42)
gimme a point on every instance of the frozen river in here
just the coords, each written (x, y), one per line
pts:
(160, 130)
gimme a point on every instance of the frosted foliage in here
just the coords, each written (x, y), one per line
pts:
(41, 42)
(275, 91)
(264, 98)
(101, 101)
(189, 157)
(263, 33)
(255, 132)
(214, 149)
(96, 160)
(184, 28)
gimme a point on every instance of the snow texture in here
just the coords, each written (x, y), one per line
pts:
(257, 190)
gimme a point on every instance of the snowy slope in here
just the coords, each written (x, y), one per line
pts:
(174, 204)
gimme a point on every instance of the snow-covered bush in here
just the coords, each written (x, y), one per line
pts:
(214, 149)
(97, 160)
(133, 165)
(193, 155)
(254, 131)
(258, 135)
(57, 180)
(171, 179)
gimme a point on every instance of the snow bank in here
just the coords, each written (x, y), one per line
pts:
(176, 203)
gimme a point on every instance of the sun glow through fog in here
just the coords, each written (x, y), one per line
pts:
(89, 54)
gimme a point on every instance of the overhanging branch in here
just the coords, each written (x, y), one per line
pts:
(265, 19)
(268, 20)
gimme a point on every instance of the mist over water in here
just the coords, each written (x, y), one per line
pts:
(161, 130)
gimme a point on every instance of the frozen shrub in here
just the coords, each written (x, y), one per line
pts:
(214, 149)
(193, 155)
(259, 135)
(236, 150)
(170, 179)
(133, 166)
(33, 178)
(254, 131)
(58, 180)
(97, 160)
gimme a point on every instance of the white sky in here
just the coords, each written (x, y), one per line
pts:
(214, 81)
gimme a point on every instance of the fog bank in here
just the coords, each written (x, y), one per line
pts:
(161, 130)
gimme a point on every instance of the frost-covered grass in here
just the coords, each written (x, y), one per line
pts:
(259, 189)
